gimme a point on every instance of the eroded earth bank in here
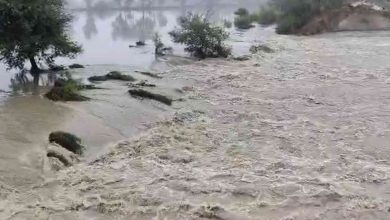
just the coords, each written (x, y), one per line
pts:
(301, 133)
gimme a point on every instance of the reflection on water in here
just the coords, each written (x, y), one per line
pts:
(25, 83)
(106, 34)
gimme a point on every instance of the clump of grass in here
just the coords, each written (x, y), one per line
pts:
(66, 90)
(114, 75)
(140, 93)
(68, 141)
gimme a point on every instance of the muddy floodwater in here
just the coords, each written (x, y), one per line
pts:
(26, 118)
(300, 133)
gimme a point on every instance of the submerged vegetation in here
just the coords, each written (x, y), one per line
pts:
(34, 30)
(243, 20)
(202, 38)
(76, 66)
(114, 75)
(68, 141)
(140, 93)
(68, 89)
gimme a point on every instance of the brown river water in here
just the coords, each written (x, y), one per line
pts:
(301, 133)
(27, 118)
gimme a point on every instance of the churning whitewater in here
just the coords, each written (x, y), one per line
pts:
(300, 133)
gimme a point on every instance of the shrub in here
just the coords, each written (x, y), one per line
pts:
(202, 38)
(242, 12)
(67, 89)
(68, 92)
(244, 22)
(267, 15)
(159, 45)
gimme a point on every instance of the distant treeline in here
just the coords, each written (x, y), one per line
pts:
(116, 4)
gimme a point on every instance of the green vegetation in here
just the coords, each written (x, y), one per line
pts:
(227, 24)
(202, 38)
(267, 15)
(242, 12)
(66, 90)
(114, 75)
(291, 15)
(159, 45)
(67, 141)
(34, 30)
(244, 22)
(140, 93)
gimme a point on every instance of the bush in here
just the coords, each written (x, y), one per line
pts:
(244, 22)
(242, 12)
(159, 45)
(267, 16)
(202, 38)
(66, 90)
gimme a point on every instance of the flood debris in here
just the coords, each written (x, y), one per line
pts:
(140, 43)
(76, 66)
(114, 75)
(68, 141)
(260, 48)
(140, 93)
(242, 58)
(150, 74)
(143, 83)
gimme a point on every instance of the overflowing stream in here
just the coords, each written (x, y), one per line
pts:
(27, 118)
(299, 133)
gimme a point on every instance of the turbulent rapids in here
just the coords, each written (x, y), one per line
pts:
(300, 133)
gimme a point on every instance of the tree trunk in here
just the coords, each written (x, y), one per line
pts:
(34, 66)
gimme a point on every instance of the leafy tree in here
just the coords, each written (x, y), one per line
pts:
(34, 31)
(202, 38)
